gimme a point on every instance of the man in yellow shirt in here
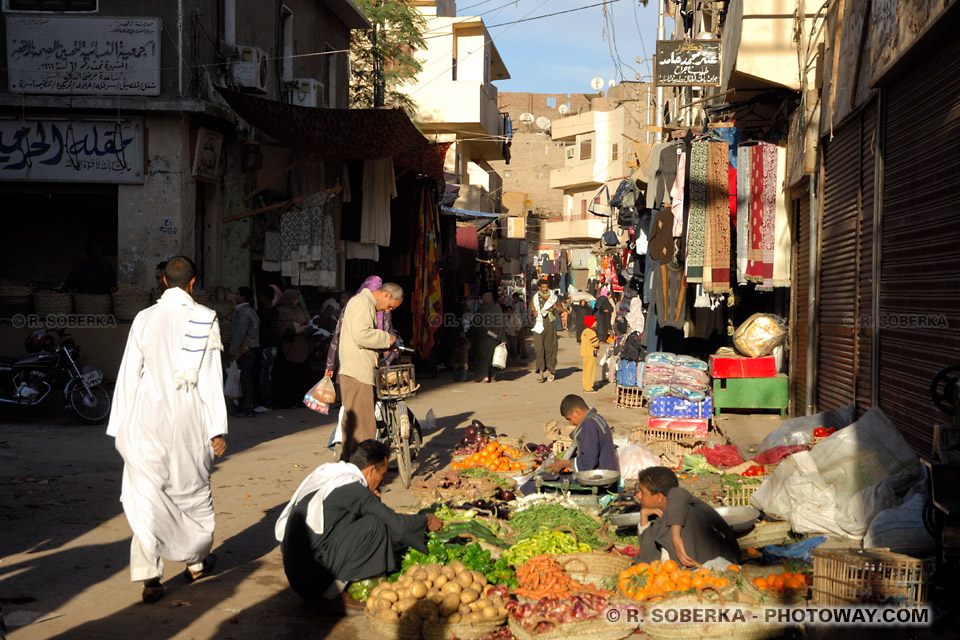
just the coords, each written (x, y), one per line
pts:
(589, 344)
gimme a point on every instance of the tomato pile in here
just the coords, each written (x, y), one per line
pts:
(494, 457)
(755, 470)
(644, 581)
(823, 432)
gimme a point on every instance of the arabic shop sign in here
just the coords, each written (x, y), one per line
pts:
(683, 63)
(83, 55)
(62, 150)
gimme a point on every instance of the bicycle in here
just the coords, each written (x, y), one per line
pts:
(394, 384)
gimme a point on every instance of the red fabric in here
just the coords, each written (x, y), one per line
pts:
(774, 455)
(755, 251)
(467, 238)
(732, 182)
(721, 455)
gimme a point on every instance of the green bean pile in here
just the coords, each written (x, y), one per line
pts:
(529, 521)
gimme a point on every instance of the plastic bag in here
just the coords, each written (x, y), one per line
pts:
(721, 455)
(500, 356)
(759, 335)
(634, 458)
(323, 391)
(799, 430)
(231, 387)
(694, 463)
(901, 529)
(430, 421)
(802, 550)
(776, 454)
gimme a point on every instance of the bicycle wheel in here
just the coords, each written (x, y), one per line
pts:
(401, 445)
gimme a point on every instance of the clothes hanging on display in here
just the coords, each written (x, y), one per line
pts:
(755, 250)
(651, 195)
(783, 240)
(668, 292)
(697, 223)
(769, 211)
(744, 175)
(317, 256)
(379, 187)
(676, 195)
(361, 251)
(716, 261)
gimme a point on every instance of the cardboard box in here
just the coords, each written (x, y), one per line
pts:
(516, 228)
(742, 367)
(696, 427)
(679, 408)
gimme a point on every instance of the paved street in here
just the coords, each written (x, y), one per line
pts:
(64, 549)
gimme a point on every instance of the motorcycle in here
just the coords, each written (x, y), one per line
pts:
(26, 381)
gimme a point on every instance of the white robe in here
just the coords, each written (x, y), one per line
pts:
(164, 433)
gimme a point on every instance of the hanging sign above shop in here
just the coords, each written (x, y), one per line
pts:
(83, 55)
(62, 150)
(681, 63)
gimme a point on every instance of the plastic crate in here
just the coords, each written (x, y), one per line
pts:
(629, 397)
(851, 576)
(739, 496)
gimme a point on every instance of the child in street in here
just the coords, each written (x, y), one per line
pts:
(686, 528)
(589, 344)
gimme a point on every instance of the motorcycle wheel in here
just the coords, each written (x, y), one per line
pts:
(92, 407)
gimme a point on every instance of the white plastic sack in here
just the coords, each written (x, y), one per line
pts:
(855, 515)
(231, 387)
(901, 529)
(634, 458)
(500, 356)
(799, 430)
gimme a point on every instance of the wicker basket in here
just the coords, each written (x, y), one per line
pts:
(669, 445)
(594, 567)
(483, 488)
(851, 576)
(765, 533)
(769, 597)
(598, 629)
(129, 301)
(441, 630)
(400, 630)
(15, 299)
(629, 397)
(48, 303)
(739, 496)
(93, 303)
(754, 628)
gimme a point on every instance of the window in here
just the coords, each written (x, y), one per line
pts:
(551, 103)
(287, 30)
(583, 209)
(53, 5)
(453, 70)
(586, 149)
(614, 151)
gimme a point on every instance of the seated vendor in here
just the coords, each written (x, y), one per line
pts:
(592, 446)
(336, 530)
(687, 528)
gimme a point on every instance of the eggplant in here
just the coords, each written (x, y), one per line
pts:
(507, 496)
(472, 431)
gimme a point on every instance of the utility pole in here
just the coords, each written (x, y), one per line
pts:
(660, 36)
(379, 81)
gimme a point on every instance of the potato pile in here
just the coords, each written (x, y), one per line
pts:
(431, 592)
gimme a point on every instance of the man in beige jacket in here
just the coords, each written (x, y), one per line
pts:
(360, 344)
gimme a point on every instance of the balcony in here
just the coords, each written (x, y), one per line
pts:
(569, 127)
(576, 176)
(758, 46)
(573, 230)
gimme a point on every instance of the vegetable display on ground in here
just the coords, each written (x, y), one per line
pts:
(529, 521)
(543, 542)
(471, 556)
(542, 577)
(645, 581)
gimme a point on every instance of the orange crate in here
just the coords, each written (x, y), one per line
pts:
(851, 576)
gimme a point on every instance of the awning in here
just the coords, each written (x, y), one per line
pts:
(478, 218)
(342, 133)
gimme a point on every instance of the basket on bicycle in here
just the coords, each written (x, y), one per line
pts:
(396, 381)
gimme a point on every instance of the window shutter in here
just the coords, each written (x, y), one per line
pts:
(586, 149)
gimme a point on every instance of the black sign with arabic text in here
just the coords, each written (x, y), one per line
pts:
(681, 63)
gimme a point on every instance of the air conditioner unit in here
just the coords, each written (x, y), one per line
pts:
(306, 92)
(571, 150)
(249, 69)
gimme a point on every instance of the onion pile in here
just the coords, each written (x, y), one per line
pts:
(477, 437)
(546, 614)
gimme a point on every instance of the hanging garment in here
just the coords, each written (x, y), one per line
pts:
(668, 292)
(293, 228)
(743, 212)
(783, 240)
(697, 223)
(716, 261)
(271, 246)
(769, 211)
(676, 194)
(667, 171)
(427, 304)
(651, 195)
(755, 250)
(379, 187)
(362, 251)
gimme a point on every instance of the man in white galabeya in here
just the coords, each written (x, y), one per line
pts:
(169, 418)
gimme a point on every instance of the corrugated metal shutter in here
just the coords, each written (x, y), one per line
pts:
(837, 298)
(868, 149)
(920, 244)
(801, 296)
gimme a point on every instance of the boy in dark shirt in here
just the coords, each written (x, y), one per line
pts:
(690, 530)
(592, 446)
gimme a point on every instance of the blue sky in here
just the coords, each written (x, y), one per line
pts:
(561, 54)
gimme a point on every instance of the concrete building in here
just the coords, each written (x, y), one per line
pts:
(457, 101)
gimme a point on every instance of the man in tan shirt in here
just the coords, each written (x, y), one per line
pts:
(360, 344)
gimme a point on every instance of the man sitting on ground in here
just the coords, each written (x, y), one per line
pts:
(592, 446)
(688, 529)
(335, 529)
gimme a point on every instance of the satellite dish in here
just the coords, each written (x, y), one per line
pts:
(526, 118)
(596, 84)
(563, 109)
(543, 122)
(611, 82)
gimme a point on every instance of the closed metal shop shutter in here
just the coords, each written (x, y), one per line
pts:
(801, 296)
(837, 299)
(868, 149)
(919, 323)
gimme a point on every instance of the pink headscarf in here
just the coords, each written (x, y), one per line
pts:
(276, 294)
(371, 284)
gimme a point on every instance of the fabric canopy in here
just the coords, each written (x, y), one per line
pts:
(343, 133)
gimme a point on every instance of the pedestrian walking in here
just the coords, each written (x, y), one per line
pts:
(589, 344)
(545, 332)
(291, 369)
(168, 420)
(245, 348)
(271, 334)
(520, 308)
(488, 333)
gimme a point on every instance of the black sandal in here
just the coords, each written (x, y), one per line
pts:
(208, 564)
(152, 591)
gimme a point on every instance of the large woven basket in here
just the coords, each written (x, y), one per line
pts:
(400, 630)
(441, 630)
(129, 301)
(48, 303)
(754, 628)
(93, 303)
(481, 488)
(598, 629)
(593, 567)
(769, 597)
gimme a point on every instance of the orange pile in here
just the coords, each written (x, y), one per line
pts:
(645, 581)
(786, 583)
(494, 457)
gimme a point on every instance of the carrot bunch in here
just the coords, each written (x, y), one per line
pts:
(644, 581)
(542, 576)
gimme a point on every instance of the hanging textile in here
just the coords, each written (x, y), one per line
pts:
(743, 212)
(379, 187)
(755, 250)
(668, 293)
(426, 305)
(769, 211)
(697, 225)
(716, 261)
(676, 195)
(783, 239)
(315, 260)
